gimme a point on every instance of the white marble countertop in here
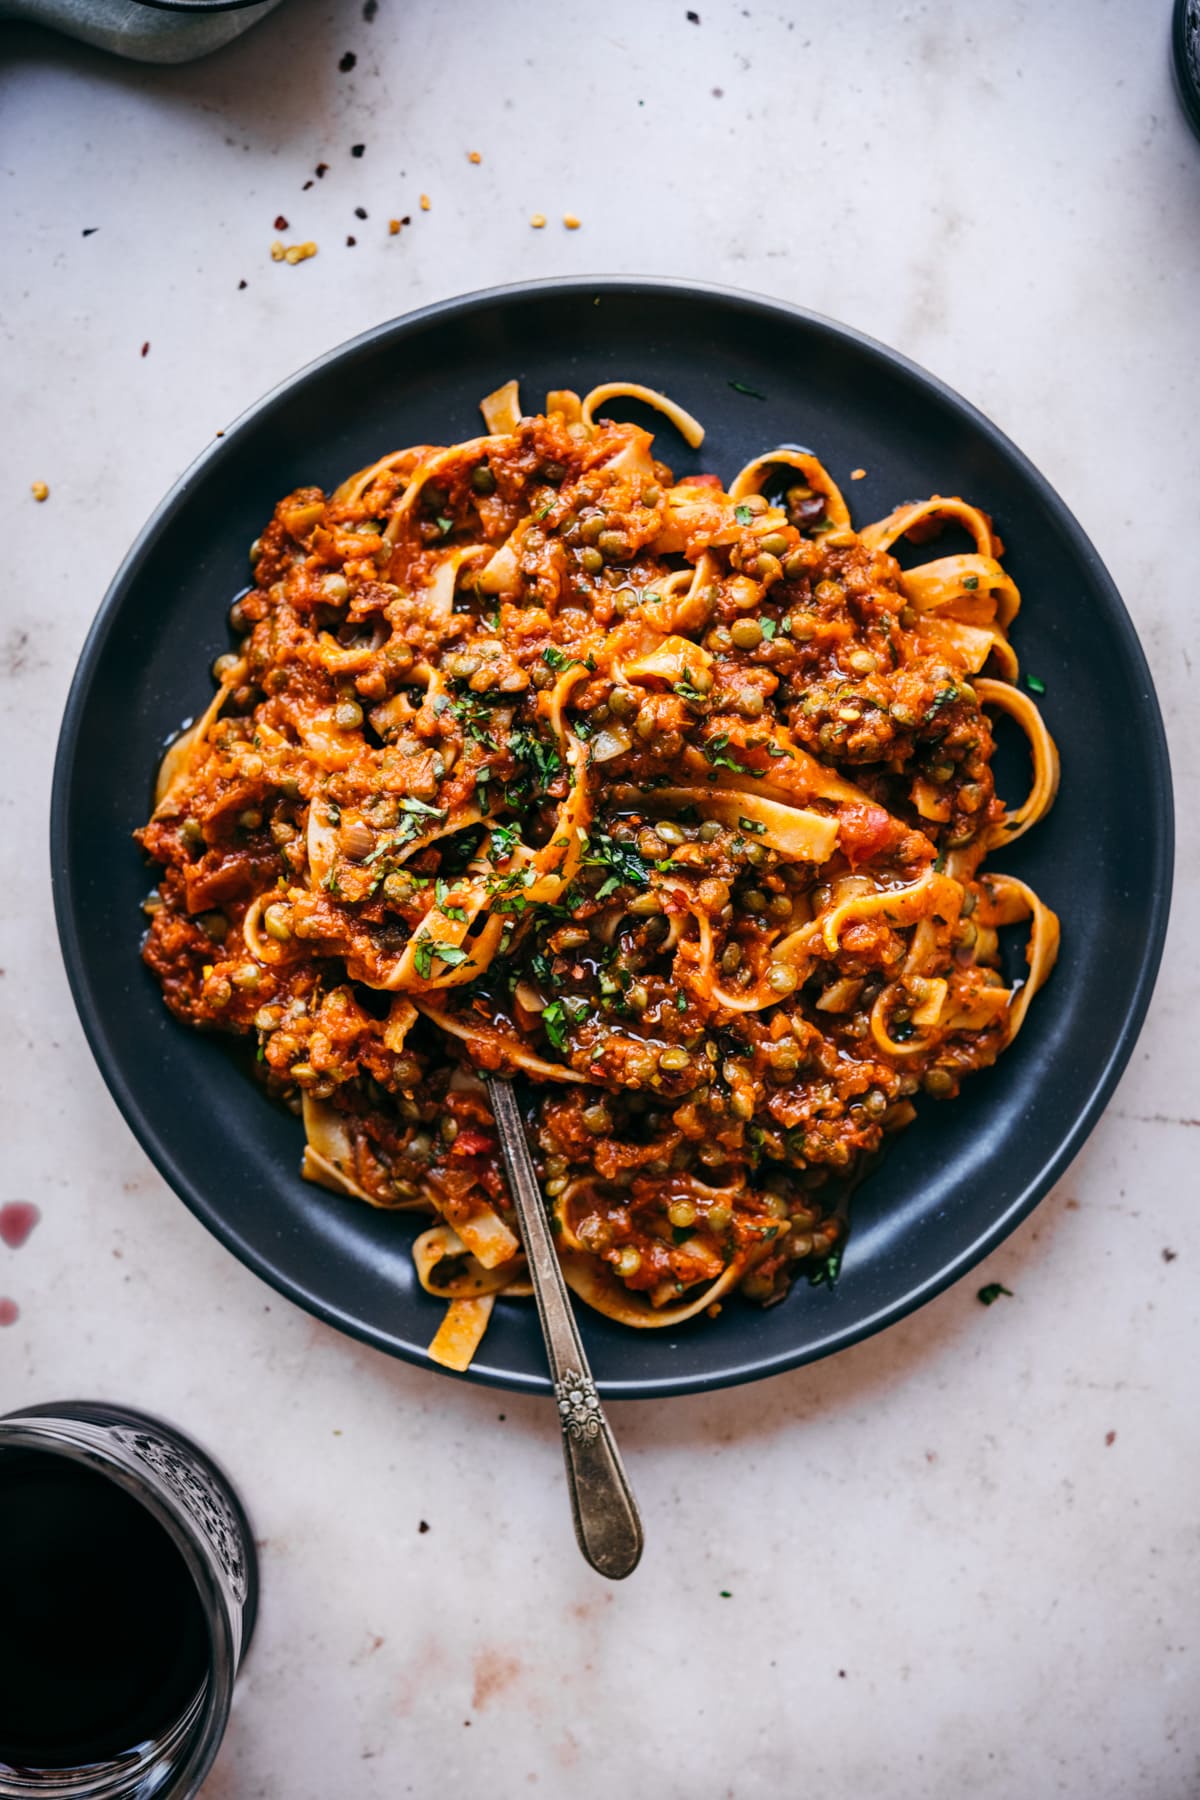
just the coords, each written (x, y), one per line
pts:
(961, 1558)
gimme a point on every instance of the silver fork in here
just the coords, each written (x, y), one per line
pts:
(607, 1525)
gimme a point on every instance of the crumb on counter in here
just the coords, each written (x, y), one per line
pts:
(357, 149)
(393, 228)
(473, 156)
(857, 474)
(292, 253)
(347, 62)
(572, 221)
(426, 203)
(40, 491)
(281, 223)
(537, 221)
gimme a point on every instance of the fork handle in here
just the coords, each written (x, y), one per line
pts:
(607, 1525)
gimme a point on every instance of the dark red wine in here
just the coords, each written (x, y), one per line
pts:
(102, 1636)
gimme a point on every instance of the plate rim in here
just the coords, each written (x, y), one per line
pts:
(1160, 874)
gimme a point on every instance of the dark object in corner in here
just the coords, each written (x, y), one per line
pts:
(1185, 55)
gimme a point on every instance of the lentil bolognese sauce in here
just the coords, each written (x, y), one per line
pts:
(672, 796)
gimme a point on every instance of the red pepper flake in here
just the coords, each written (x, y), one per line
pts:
(1110, 1437)
(350, 242)
(281, 223)
(470, 1142)
(357, 149)
(321, 170)
(347, 63)
(17, 1220)
(10, 1312)
(146, 348)
(360, 212)
(306, 186)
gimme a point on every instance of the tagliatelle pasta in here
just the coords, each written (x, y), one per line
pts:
(670, 797)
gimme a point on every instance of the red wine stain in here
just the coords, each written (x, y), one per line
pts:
(17, 1220)
(10, 1312)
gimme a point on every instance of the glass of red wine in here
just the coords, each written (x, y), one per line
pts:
(128, 1589)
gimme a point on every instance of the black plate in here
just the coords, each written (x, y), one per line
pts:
(953, 1185)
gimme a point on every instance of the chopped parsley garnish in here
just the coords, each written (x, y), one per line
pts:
(681, 1002)
(685, 688)
(769, 628)
(714, 752)
(441, 891)
(744, 515)
(559, 661)
(1035, 684)
(755, 825)
(482, 777)
(970, 581)
(427, 948)
(827, 1270)
(743, 387)
(559, 1016)
(419, 807)
(945, 697)
(504, 841)
(626, 865)
(992, 1292)
(471, 714)
(542, 761)
(444, 525)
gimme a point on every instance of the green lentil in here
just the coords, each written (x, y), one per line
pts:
(746, 634)
(277, 923)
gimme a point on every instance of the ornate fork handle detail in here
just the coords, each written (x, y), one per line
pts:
(579, 1404)
(607, 1525)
